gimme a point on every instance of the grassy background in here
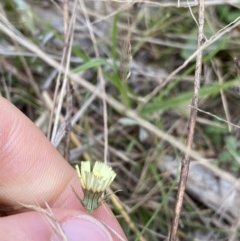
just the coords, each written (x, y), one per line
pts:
(150, 41)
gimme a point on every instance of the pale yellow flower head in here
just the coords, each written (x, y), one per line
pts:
(97, 179)
(94, 182)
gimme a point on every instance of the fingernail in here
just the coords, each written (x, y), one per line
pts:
(84, 228)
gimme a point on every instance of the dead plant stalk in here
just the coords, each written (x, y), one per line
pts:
(192, 122)
(68, 91)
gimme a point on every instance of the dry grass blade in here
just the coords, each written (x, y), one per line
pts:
(49, 215)
(177, 3)
(207, 43)
(115, 104)
(139, 102)
(114, 232)
(75, 118)
(208, 113)
(125, 215)
(102, 81)
(64, 62)
(223, 96)
(191, 127)
(126, 57)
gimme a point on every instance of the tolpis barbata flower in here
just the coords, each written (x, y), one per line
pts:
(94, 180)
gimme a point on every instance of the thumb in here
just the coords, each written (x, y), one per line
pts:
(36, 226)
(84, 228)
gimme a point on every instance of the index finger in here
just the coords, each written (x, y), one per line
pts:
(32, 171)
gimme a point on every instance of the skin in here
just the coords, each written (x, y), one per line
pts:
(32, 172)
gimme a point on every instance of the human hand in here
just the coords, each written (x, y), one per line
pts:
(32, 172)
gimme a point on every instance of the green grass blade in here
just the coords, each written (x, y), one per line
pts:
(91, 64)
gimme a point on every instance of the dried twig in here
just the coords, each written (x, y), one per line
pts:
(237, 62)
(192, 122)
(68, 91)
(4, 84)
